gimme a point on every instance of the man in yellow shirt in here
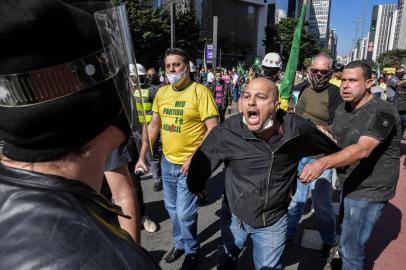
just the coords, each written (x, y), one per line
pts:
(338, 73)
(184, 112)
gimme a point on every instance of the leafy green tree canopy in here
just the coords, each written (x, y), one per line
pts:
(151, 32)
(392, 58)
(278, 38)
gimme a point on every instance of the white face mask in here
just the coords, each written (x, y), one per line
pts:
(173, 78)
(266, 125)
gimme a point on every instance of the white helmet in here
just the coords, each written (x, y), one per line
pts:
(140, 70)
(192, 66)
(272, 60)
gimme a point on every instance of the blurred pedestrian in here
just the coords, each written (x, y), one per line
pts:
(397, 79)
(222, 95)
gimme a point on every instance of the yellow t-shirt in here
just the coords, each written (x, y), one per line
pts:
(335, 81)
(182, 116)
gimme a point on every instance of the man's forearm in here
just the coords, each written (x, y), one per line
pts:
(399, 82)
(149, 134)
(345, 157)
(124, 195)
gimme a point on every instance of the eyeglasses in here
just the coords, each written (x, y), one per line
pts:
(319, 71)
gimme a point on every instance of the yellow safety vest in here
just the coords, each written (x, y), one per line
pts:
(147, 106)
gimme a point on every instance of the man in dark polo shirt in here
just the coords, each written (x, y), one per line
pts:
(368, 129)
(318, 99)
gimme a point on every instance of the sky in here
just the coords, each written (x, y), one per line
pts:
(343, 13)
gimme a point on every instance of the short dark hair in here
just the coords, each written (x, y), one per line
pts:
(366, 69)
(178, 51)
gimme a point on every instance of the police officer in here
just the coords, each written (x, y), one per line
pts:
(63, 110)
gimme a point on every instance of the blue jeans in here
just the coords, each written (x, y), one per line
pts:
(181, 206)
(236, 93)
(322, 203)
(359, 220)
(268, 242)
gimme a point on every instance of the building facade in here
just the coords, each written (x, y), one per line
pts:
(382, 30)
(400, 32)
(294, 8)
(279, 15)
(318, 16)
(241, 25)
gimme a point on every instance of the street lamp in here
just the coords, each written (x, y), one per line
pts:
(176, 6)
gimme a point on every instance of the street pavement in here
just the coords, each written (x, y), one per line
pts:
(386, 249)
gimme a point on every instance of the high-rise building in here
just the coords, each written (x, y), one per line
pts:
(279, 15)
(364, 48)
(294, 8)
(381, 30)
(152, 3)
(392, 33)
(241, 24)
(318, 16)
(400, 31)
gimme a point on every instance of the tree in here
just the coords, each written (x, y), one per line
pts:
(151, 32)
(326, 51)
(188, 34)
(279, 38)
(392, 58)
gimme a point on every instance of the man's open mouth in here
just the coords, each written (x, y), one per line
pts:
(253, 117)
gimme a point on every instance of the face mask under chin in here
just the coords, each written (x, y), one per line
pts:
(268, 124)
(173, 78)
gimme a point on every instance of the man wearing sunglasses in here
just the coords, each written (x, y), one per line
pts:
(317, 102)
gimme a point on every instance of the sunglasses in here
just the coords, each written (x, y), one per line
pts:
(319, 71)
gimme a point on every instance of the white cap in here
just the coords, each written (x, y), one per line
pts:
(272, 60)
(192, 66)
(140, 70)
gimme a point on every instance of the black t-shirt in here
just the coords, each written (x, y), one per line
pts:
(373, 179)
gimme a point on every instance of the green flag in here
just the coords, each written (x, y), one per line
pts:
(285, 89)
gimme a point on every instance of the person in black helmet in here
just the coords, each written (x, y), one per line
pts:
(63, 109)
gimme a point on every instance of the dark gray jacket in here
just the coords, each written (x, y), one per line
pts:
(259, 175)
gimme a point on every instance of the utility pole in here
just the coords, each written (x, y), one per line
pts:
(173, 14)
(364, 16)
(357, 23)
(215, 27)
